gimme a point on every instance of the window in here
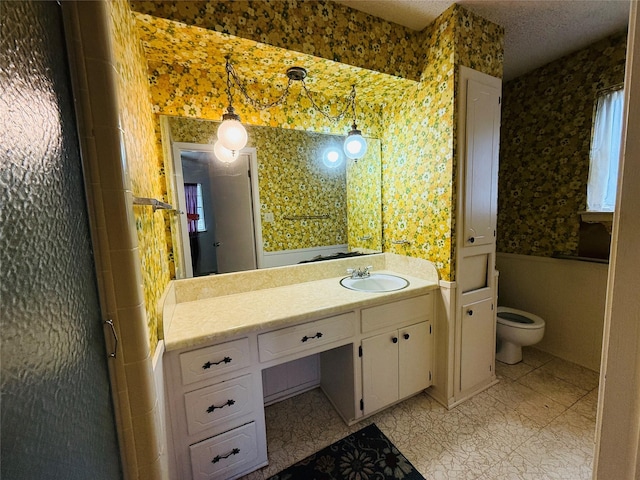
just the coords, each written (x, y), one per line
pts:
(605, 152)
(195, 208)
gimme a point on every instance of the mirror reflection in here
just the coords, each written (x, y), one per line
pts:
(291, 196)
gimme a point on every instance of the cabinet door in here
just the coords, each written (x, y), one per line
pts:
(481, 162)
(478, 343)
(379, 371)
(414, 359)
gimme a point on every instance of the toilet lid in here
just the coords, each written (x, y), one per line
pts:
(514, 317)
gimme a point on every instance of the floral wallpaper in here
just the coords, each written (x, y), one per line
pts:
(364, 200)
(419, 158)
(188, 78)
(143, 159)
(320, 28)
(292, 181)
(414, 119)
(547, 117)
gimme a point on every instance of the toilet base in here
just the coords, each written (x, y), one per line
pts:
(509, 353)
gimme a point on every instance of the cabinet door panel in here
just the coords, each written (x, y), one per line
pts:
(379, 371)
(415, 359)
(478, 343)
(481, 172)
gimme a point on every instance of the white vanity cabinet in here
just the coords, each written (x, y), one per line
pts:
(213, 377)
(217, 413)
(396, 363)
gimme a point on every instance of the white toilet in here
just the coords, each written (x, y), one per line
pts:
(516, 329)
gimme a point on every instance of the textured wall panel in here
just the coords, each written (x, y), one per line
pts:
(57, 418)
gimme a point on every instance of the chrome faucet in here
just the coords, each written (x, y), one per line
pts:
(360, 272)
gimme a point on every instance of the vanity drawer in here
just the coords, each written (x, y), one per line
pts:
(215, 360)
(407, 311)
(305, 337)
(218, 405)
(224, 455)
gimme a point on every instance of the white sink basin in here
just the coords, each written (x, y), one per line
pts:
(376, 282)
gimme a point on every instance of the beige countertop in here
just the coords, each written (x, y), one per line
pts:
(221, 317)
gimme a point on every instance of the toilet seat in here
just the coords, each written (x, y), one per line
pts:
(511, 316)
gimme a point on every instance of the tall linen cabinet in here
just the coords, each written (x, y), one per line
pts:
(466, 330)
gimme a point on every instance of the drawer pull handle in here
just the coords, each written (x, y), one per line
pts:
(217, 458)
(317, 335)
(208, 365)
(228, 403)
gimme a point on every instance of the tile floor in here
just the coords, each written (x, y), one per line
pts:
(537, 423)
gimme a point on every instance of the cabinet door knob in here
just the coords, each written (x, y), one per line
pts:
(471, 239)
(394, 339)
(406, 336)
(469, 312)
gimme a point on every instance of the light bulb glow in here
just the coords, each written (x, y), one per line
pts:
(232, 134)
(224, 155)
(332, 157)
(355, 146)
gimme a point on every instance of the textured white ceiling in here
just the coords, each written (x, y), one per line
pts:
(536, 31)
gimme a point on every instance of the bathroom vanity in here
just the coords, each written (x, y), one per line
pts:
(221, 332)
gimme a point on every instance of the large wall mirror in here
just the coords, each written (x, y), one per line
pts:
(285, 200)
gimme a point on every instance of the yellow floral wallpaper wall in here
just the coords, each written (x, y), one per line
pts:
(547, 117)
(419, 155)
(292, 181)
(414, 120)
(143, 159)
(364, 200)
(188, 78)
(320, 28)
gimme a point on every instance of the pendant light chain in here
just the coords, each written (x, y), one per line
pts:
(232, 136)
(257, 104)
(349, 103)
(229, 96)
(353, 106)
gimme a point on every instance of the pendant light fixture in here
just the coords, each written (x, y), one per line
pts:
(232, 135)
(223, 154)
(355, 146)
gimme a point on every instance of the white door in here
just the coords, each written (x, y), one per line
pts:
(482, 135)
(227, 238)
(233, 213)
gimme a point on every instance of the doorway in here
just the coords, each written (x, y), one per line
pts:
(219, 210)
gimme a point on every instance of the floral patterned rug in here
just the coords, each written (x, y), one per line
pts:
(364, 455)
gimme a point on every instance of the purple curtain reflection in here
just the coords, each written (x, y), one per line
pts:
(191, 197)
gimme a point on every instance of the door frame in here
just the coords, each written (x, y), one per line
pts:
(183, 267)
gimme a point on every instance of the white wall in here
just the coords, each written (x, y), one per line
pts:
(618, 422)
(568, 294)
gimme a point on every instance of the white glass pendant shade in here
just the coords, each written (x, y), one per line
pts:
(224, 155)
(232, 134)
(355, 146)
